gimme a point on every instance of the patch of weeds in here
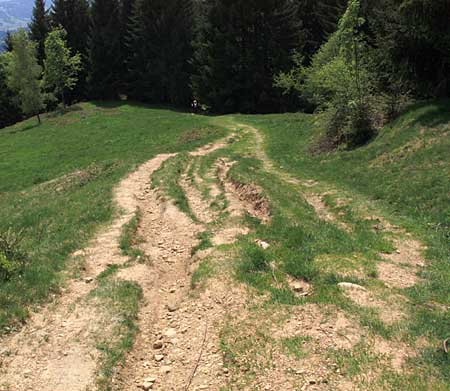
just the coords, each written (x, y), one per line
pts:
(129, 239)
(195, 135)
(205, 242)
(13, 258)
(254, 260)
(121, 298)
(108, 272)
(296, 346)
(356, 361)
(204, 271)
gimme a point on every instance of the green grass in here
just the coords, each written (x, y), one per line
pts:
(167, 179)
(122, 300)
(100, 143)
(403, 175)
(129, 239)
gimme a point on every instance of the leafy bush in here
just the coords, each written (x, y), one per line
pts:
(12, 258)
(339, 81)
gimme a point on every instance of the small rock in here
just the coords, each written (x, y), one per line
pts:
(166, 369)
(170, 333)
(171, 308)
(146, 386)
(349, 285)
(158, 345)
(159, 357)
(261, 243)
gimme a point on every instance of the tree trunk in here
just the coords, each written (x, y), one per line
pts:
(39, 118)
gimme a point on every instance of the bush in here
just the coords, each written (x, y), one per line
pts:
(339, 81)
(12, 258)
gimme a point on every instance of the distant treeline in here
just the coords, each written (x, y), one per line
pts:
(247, 55)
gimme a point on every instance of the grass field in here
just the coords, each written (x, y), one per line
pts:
(56, 182)
(56, 185)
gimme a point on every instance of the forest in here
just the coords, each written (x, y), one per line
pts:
(359, 61)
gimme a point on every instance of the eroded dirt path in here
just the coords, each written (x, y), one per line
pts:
(56, 349)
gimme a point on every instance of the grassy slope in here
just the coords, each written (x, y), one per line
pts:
(405, 173)
(104, 142)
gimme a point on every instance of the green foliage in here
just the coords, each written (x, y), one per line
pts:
(339, 80)
(74, 17)
(9, 103)
(24, 74)
(238, 47)
(61, 68)
(12, 258)
(160, 46)
(39, 28)
(104, 50)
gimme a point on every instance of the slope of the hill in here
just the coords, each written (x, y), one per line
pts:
(56, 181)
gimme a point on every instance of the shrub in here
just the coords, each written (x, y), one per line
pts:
(12, 258)
(339, 81)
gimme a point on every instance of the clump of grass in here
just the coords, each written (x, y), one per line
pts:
(167, 177)
(296, 346)
(121, 298)
(129, 239)
(205, 242)
(203, 272)
(13, 259)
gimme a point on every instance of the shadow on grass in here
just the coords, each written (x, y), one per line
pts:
(437, 113)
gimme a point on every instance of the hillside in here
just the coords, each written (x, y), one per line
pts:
(167, 250)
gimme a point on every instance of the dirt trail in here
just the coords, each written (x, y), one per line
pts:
(55, 350)
(178, 344)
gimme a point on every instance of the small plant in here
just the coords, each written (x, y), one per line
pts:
(12, 258)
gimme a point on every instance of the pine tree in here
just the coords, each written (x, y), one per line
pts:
(61, 68)
(24, 74)
(7, 44)
(319, 19)
(160, 44)
(104, 50)
(238, 51)
(39, 28)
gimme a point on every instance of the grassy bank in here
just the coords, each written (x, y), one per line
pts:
(56, 182)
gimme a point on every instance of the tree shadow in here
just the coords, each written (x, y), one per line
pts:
(21, 129)
(436, 113)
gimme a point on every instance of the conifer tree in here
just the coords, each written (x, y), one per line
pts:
(39, 28)
(160, 43)
(104, 50)
(239, 49)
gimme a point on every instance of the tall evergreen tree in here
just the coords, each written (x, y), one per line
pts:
(319, 19)
(126, 15)
(160, 43)
(39, 28)
(104, 50)
(243, 44)
(74, 17)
